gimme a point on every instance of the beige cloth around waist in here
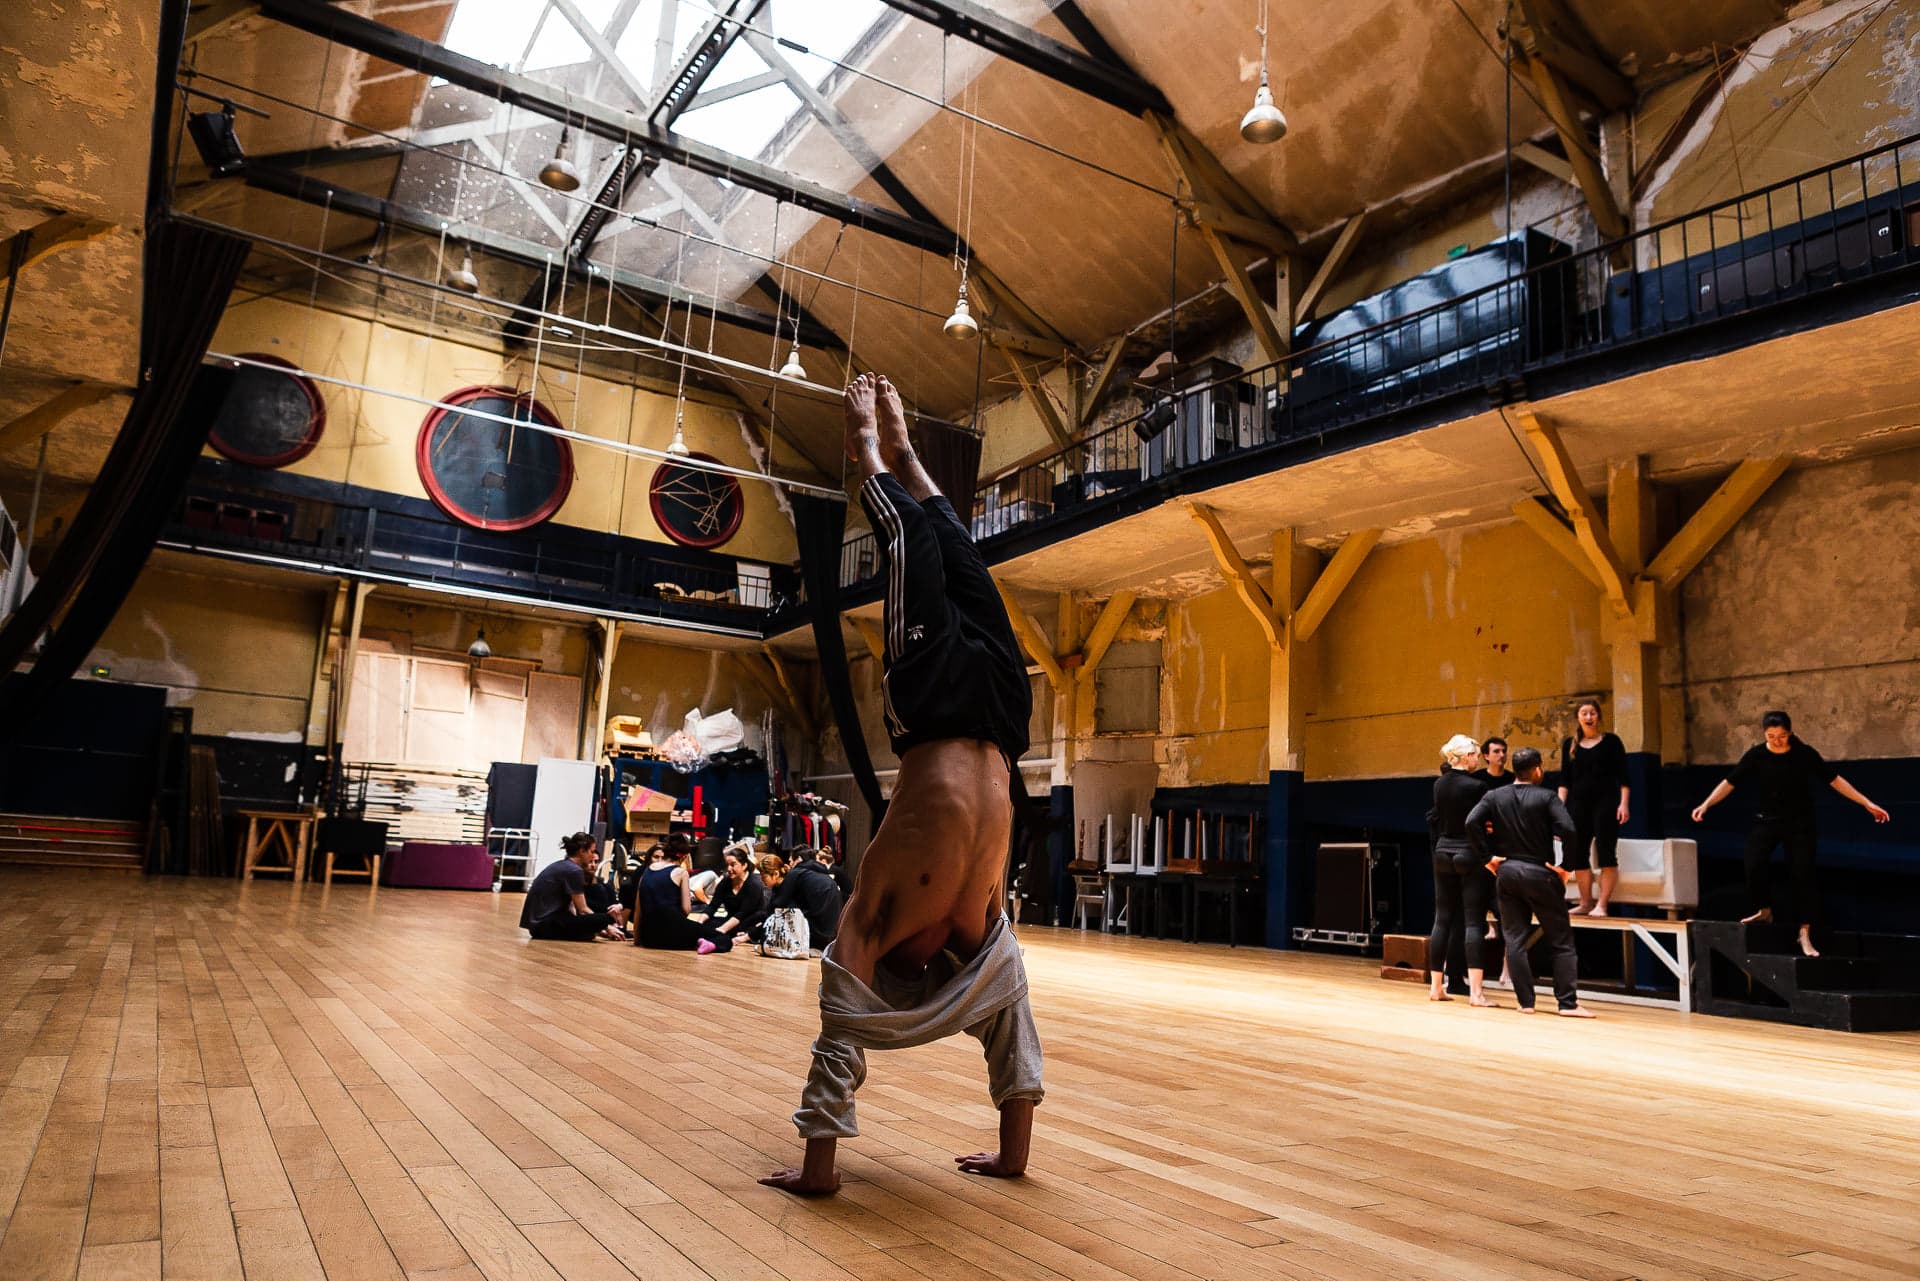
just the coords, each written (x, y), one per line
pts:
(985, 998)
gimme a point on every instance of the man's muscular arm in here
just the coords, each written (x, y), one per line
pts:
(1016, 1141)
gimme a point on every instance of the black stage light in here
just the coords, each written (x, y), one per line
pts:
(219, 147)
(1154, 421)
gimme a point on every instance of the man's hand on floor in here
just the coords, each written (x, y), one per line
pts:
(797, 1182)
(990, 1164)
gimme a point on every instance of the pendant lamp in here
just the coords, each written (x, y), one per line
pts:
(961, 325)
(793, 370)
(463, 278)
(678, 445)
(559, 173)
(1263, 122)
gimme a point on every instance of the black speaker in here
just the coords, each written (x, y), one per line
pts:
(510, 794)
(1341, 898)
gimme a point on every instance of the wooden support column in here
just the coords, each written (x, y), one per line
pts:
(349, 654)
(1564, 479)
(1634, 641)
(1636, 581)
(1274, 344)
(592, 734)
(1102, 385)
(1099, 640)
(1328, 271)
(1036, 394)
(333, 617)
(1066, 640)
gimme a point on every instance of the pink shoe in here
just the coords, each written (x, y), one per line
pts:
(706, 947)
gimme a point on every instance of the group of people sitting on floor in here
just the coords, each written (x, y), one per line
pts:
(659, 901)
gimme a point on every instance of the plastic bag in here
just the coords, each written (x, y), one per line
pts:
(682, 751)
(720, 732)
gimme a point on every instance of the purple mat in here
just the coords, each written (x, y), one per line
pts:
(430, 865)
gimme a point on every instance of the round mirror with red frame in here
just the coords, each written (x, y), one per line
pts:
(695, 507)
(270, 415)
(482, 467)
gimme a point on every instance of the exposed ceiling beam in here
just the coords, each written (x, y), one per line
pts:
(976, 24)
(1329, 269)
(352, 31)
(1548, 33)
(1546, 162)
(62, 231)
(315, 191)
(738, 89)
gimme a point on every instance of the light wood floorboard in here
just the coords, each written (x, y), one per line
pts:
(208, 1079)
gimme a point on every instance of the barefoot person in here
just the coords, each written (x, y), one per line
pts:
(1462, 886)
(1781, 772)
(1524, 819)
(1593, 786)
(924, 948)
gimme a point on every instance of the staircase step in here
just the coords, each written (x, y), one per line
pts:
(1788, 975)
(1870, 1011)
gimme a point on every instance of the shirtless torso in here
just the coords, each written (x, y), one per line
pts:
(932, 878)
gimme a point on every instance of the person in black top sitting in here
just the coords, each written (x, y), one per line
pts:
(1781, 773)
(556, 906)
(1515, 827)
(664, 902)
(810, 887)
(739, 901)
(1494, 772)
(841, 876)
(1462, 886)
(1593, 786)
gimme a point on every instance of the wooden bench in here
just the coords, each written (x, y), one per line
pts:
(1679, 961)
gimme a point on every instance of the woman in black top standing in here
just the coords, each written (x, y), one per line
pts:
(1462, 886)
(1593, 785)
(1781, 772)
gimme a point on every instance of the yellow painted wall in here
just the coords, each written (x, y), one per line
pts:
(240, 654)
(411, 622)
(370, 437)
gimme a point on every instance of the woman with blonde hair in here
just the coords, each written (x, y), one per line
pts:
(1462, 886)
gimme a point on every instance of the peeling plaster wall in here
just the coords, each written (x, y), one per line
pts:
(239, 654)
(1213, 693)
(1812, 603)
(370, 438)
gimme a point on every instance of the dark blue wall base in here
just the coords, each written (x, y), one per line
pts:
(1288, 855)
(1060, 853)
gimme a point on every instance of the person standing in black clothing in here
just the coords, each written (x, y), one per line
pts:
(1524, 820)
(1593, 786)
(556, 906)
(1462, 886)
(810, 887)
(1781, 773)
(1494, 772)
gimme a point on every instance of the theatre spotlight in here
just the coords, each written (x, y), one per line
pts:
(1154, 421)
(214, 139)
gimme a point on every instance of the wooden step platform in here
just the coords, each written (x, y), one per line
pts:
(46, 840)
(1859, 982)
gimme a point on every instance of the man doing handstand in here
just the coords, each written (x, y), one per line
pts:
(924, 948)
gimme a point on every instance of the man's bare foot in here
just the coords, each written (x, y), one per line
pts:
(989, 1164)
(896, 447)
(1764, 914)
(797, 1182)
(863, 434)
(1806, 944)
(1577, 1012)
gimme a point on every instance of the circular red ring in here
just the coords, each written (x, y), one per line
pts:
(739, 502)
(423, 452)
(316, 420)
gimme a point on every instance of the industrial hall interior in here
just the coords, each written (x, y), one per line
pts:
(891, 640)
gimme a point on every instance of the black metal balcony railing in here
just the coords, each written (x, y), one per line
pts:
(1826, 228)
(298, 521)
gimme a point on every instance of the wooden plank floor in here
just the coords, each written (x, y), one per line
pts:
(211, 1080)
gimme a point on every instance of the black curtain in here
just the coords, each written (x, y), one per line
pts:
(951, 456)
(820, 523)
(189, 272)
